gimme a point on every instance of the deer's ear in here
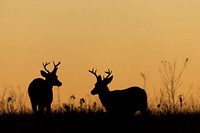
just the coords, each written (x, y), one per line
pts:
(43, 73)
(109, 80)
(99, 79)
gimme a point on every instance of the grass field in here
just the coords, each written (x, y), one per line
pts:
(99, 122)
(170, 113)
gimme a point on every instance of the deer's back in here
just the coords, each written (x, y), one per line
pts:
(127, 100)
(132, 94)
(39, 91)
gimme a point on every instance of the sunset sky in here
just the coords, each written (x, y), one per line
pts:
(128, 37)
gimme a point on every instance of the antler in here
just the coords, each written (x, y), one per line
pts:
(109, 72)
(56, 65)
(45, 65)
(94, 72)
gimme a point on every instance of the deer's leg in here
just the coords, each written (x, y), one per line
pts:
(143, 108)
(48, 107)
(34, 107)
(41, 109)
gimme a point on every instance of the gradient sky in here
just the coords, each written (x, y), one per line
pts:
(128, 37)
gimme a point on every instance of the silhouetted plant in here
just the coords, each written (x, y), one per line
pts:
(11, 102)
(171, 81)
(94, 106)
(66, 107)
(144, 76)
(71, 102)
(82, 104)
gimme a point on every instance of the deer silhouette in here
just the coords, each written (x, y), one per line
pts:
(40, 90)
(121, 102)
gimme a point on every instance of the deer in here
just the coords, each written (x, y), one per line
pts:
(124, 102)
(40, 90)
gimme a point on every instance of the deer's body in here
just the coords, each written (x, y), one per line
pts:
(120, 102)
(125, 101)
(41, 94)
(40, 90)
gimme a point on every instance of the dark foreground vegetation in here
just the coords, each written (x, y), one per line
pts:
(99, 122)
(170, 113)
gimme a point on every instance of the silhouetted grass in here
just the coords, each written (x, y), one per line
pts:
(86, 118)
(76, 121)
(92, 118)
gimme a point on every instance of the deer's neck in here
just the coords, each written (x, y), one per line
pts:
(104, 96)
(48, 84)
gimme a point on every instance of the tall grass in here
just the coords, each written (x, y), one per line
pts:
(168, 102)
(10, 104)
(85, 117)
(13, 101)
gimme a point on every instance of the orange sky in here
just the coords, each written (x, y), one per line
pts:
(128, 37)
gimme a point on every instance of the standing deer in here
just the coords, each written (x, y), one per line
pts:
(40, 90)
(121, 102)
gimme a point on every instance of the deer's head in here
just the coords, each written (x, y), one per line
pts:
(51, 77)
(101, 85)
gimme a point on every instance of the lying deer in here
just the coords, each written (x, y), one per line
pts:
(120, 102)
